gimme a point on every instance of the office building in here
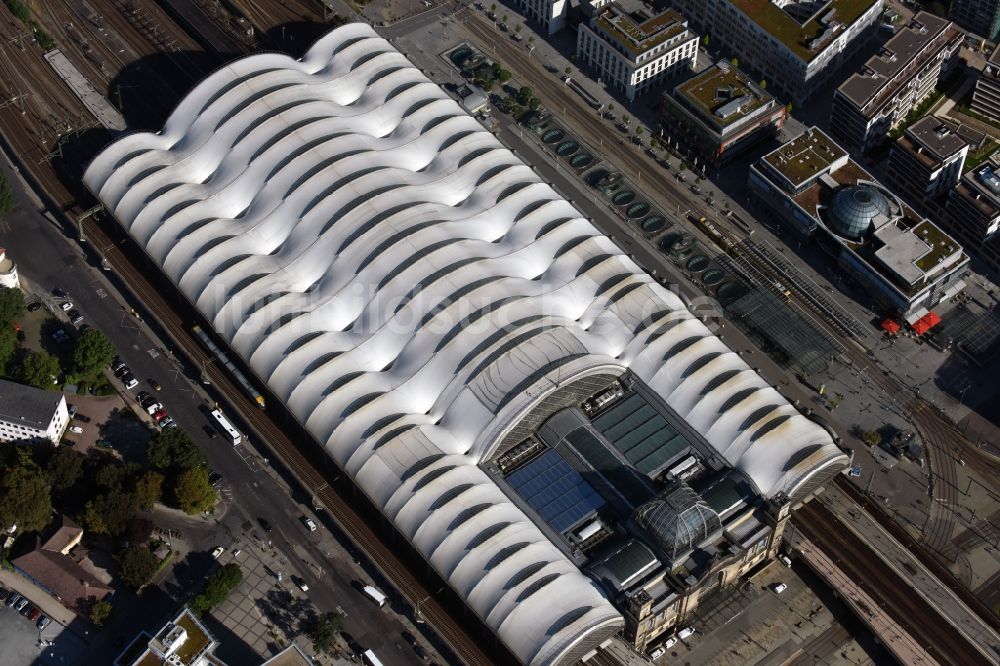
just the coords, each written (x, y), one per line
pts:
(986, 96)
(872, 102)
(811, 186)
(184, 641)
(979, 16)
(973, 211)
(30, 414)
(634, 50)
(927, 161)
(797, 47)
(551, 15)
(720, 113)
(436, 316)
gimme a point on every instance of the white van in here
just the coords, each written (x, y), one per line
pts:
(785, 560)
(376, 595)
(369, 658)
(685, 633)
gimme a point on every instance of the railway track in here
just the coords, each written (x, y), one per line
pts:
(910, 611)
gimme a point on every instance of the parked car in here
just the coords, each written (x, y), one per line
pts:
(779, 588)
(217, 552)
(210, 431)
(130, 381)
(168, 423)
(43, 622)
(420, 652)
(670, 642)
(685, 633)
(122, 371)
(77, 429)
(14, 600)
(264, 524)
(34, 615)
(159, 414)
(152, 408)
(308, 522)
(35, 305)
(117, 363)
(58, 292)
(83, 418)
(66, 306)
(155, 384)
(299, 583)
(214, 477)
(75, 318)
(21, 603)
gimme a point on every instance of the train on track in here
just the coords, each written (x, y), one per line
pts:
(235, 372)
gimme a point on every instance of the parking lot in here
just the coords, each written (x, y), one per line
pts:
(20, 641)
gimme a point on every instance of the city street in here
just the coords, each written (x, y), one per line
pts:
(47, 259)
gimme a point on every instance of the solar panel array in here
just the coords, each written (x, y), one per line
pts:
(555, 491)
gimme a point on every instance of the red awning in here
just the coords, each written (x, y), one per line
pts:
(890, 325)
(926, 323)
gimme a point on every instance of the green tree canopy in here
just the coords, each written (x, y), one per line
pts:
(109, 512)
(92, 352)
(504, 75)
(137, 566)
(37, 369)
(11, 304)
(24, 498)
(174, 449)
(148, 488)
(64, 468)
(218, 586)
(7, 200)
(192, 491)
(8, 345)
(325, 630)
(100, 612)
(526, 93)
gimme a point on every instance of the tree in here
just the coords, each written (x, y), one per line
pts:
(872, 437)
(192, 491)
(763, 84)
(148, 489)
(568, 70)
(682, 167)
(11, 305)
(109, 512)
(735, 61)
(611, 107)
(7, 200)
(704, 40)
(37, 369)
(92, 352)
(518, 28)
(639, 131)
(504, 75)
(505, 17)
(493, 7)
(24, 498)
(173, 448)
(137, 566)
(534, 103)
(325, 630)
(138, 531)
(525, 94)
(100, 612)
(64, 468)
(218, 586)
(626, 119)
(8, 345)
(531, 40)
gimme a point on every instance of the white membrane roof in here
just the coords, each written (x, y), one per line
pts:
(410, 288)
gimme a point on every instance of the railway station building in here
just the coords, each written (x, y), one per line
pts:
(574, 452)
(815, 190)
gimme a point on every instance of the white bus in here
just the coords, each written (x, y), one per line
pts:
(226, 427)
(370, 658)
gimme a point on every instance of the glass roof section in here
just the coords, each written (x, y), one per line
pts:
(555, 491)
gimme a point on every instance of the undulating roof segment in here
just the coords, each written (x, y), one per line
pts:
(409, 288)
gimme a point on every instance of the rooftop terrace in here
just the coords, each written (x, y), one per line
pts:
(795, 36)
(636, 30)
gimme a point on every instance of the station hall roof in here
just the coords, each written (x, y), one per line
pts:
(409, 288)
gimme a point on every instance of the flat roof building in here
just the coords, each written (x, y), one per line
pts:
(422, 302)
(31, 414)
(795, 46)
(979, 16)
(721, 112)
(986, 96)
(875, 100)
(634, 50)
(973, 211)
(927, 161)
(814, 189)
(184, 641)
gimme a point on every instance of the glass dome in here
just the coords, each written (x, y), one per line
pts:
(677, 520)
(854, 209)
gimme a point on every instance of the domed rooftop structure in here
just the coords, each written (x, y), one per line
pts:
(677, 520)
(855, 209)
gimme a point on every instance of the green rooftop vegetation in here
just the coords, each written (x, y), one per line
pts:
(805, 156)
(787, 30)
(640, 36)
(196, 641)
(702, 92)
(941, 245)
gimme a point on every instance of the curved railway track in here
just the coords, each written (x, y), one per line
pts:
(895, 596)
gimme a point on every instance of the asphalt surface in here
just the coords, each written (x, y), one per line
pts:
(47, 258)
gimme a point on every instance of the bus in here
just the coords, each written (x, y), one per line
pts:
(227, 429)
(370, 658)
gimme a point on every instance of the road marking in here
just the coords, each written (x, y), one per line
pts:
(102, 294)
(153, 352)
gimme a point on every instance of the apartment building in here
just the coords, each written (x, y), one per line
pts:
(720, 113)
(979, 16)
(31, 414)
(872, 102)
(795, 46)
(183, 641)
(634, 50)
(986, 96)
(927, 161)
(813, 188)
